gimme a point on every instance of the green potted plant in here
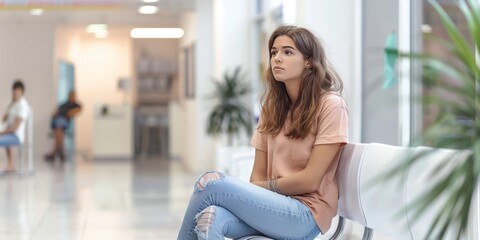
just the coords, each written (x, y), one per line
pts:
(456, 124)
(231, 113)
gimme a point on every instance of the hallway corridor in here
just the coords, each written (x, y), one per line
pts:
(104, 199)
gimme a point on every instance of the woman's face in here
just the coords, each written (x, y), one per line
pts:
(286, 61)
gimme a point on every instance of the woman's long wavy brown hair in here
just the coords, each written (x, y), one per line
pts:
(317, 80)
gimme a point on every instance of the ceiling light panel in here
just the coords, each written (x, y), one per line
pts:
(148, 9)
(36, 12)
(156, 33)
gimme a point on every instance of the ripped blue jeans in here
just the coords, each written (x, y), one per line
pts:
(222, 206)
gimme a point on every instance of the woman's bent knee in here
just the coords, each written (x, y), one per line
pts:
(206, 179)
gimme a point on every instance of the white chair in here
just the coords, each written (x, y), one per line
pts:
(383, 206)
(25, 150)
(239, 162)
(380, 202)
(422, 177)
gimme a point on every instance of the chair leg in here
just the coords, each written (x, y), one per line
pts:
(339, 230)
(25, 161)
(367, 234)
(20, 160)
(29, 159)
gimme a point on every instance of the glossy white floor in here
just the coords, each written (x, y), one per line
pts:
(95, 200)
(100, 200)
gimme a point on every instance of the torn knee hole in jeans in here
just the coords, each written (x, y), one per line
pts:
(207, 178)
(205, 220)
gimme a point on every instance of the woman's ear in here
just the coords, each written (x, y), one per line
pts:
(308, 64)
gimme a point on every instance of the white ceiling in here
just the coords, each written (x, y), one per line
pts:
(113, 12)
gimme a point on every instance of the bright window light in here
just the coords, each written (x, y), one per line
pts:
(156, 33)
(36, 12)
(150, 1)
(148, 9)
(94, 28)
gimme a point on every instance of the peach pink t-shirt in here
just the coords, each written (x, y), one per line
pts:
(286, 156)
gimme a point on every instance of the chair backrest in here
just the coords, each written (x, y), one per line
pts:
(349, 204)
(423, 176)
(383, 205)
(29, 137)
(26, 148)
(226, 163)
(26, 128)
(242, 164)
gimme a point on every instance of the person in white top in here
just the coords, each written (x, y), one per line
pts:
(14, 121)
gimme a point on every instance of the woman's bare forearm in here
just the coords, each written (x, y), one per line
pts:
(307, 180)
(259, 171)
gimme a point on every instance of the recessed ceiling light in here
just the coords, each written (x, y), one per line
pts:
(94, 28)
(36, 12)
(148, 9)
(99, 30)
(150, 1)
(156, 33)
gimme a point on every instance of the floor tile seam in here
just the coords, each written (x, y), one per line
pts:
(85, 224)
(42, 220)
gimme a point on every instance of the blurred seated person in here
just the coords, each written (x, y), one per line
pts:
(61, 122)
(12, 129)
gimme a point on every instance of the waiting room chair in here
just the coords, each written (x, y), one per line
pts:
(383, 206)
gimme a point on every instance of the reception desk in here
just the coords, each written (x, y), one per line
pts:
(113, 132)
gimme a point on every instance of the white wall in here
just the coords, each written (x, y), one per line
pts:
(27, 53)
(233, 27)
(179, 108)
(334, 23)
(200, 153)
(188, 140)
